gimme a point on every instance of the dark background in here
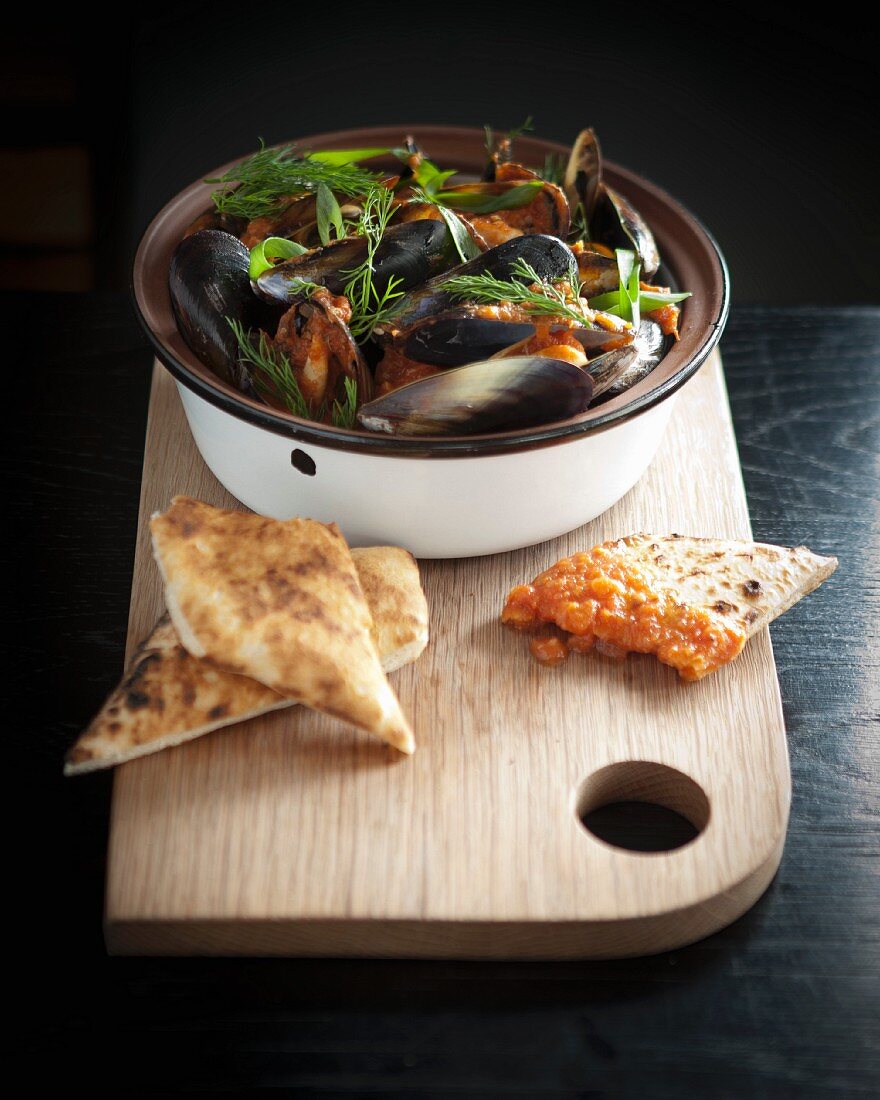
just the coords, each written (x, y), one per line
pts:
(758, 117)
(764, 123)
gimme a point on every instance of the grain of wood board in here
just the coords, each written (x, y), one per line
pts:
(292, 834)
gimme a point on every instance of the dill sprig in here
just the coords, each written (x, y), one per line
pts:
(344, 412)
(368, 306)
(275, 378)
(526, 288)
(252, 188)
(553, 170)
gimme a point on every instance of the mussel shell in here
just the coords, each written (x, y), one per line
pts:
(615, 371)
(549, 256)
(598, 273)
(208, 282)
(456, 337)
(583, 173)
(493, 396)
(411, 252)
(635, 229)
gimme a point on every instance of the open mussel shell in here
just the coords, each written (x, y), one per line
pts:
(635, 229)
(612, 219)
(410, 252)
(458, 336)
(496, 395)
(549, 256)
(208, 281)
(618, 370)
(583, 173)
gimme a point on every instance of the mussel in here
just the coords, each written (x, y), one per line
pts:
(411, 252)
(611, 218)
(314, 339)
(208, 281)
(549, 256)
(623, 367)
(495, 395)
(547, 212)
(467, 333)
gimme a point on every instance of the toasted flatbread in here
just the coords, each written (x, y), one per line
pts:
(693, 602)
(168, 697)
(279, 601)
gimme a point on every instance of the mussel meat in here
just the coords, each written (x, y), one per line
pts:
(495, 395)
(411, 252)
(314, 339)
(208, 281)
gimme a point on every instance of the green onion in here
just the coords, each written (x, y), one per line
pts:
(628, 292)
(476, 203)
(648, 300)
(327, 213)
(268, 252)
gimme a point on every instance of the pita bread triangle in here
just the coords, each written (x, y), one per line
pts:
(735, 587)
(168, 697)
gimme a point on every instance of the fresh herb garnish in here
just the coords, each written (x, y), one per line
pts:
(268, 252)
(274, 377)
(252, 188)
(526, 288)
(553, 170)
(344, 412)
(524, 127)
(628, 292)
(327, 214)
(465, 245)
(649, 300)
(430, 179)
(368, 306)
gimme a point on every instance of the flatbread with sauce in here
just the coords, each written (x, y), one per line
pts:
(168, 697)
(279, 601)
(692, 602)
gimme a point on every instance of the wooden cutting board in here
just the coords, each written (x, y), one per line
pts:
(292, 834)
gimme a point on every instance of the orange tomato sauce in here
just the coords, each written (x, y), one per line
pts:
(598, 596)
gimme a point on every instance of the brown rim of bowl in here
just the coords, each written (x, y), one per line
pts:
(690, 257)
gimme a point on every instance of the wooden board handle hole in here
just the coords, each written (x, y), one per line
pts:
(642, 806)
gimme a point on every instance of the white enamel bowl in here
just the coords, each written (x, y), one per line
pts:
(439, 497)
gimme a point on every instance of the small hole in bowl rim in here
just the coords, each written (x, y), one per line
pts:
(645, 395)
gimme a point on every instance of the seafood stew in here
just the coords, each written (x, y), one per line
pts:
(418, 302)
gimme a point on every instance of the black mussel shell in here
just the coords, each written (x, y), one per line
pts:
(456, 337)
(410, 252)
(629, 223)
(208, 281)
(549, 256)
(496, 395)
(618, 370)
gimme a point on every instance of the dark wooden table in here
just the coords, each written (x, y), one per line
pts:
(783, 1003)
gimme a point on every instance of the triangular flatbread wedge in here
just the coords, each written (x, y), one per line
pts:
(279, 601)
(693, 602)
(168, 697)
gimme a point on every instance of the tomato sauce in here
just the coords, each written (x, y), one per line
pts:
(597, 596)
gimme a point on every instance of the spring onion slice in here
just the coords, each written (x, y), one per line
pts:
(649, 300)
(327, 214)
(268, 252)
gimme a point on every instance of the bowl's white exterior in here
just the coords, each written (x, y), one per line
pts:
(435, 507)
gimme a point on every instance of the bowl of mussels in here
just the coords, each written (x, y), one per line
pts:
(441, 338)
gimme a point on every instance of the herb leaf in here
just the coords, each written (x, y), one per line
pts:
(368, 306)
(526, 289)
(252, 188)
(267, 253)
(327, 213)
(274, 377)
(648, 300)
